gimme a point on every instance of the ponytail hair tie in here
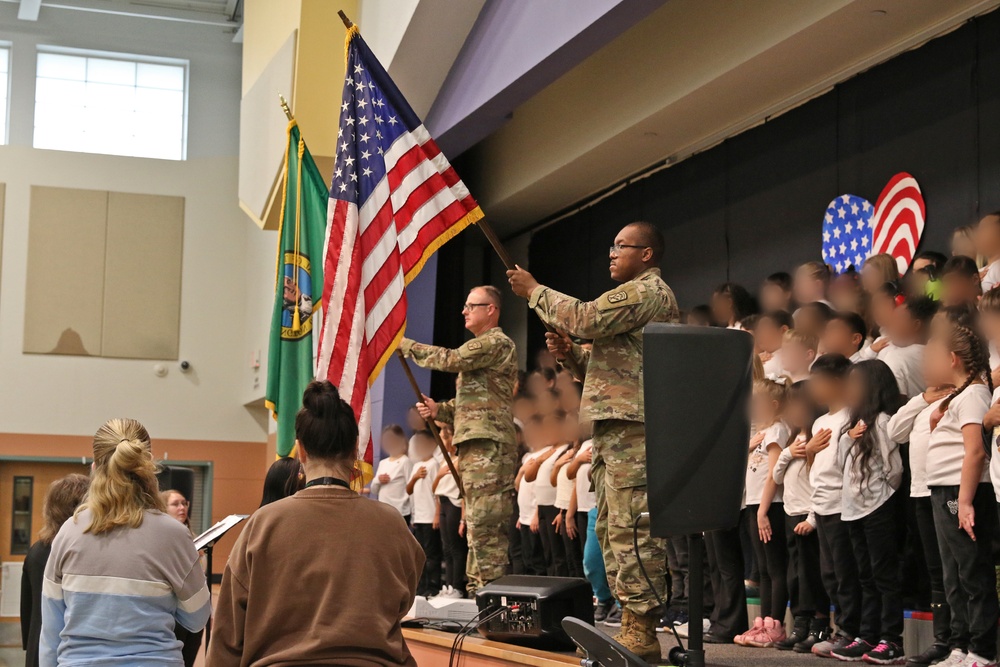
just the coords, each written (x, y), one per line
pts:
(899, 299)
(776, 379)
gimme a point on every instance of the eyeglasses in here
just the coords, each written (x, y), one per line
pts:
(471, 306)
(617, 248)
(180, 503)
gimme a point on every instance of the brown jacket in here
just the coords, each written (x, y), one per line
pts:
(321, 578)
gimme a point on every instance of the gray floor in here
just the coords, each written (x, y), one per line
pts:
(739, 656)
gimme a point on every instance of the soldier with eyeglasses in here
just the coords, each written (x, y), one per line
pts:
(612, 400)
(482, 420)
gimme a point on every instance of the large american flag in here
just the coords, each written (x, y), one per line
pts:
(394, 200)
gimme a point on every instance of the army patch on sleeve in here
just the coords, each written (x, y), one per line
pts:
(626, 295)
(474, 347)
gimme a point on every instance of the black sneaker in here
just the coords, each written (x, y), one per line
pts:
(601, 611)
(614, 618)
(886, 653)
(799, 633)
(815, 637)
(936, 653)
(853, 652)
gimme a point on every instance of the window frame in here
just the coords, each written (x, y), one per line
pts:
(136, 58)
(9, 47)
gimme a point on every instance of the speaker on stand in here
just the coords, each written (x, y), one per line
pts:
(696, 384)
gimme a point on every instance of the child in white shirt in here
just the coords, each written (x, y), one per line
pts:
(798, 352)
(527, 505)
(451, 522)
(908, 329)
(425, 516)
(769, 336)
(389, 483)
(988, 245)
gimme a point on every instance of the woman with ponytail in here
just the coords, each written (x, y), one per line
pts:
(323, 577)
(962, 499)
(122, 572)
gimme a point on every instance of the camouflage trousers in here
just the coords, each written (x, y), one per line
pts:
(619, 474)
(487, 470)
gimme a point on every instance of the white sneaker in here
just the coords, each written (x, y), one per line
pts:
(973, 660)
(453, 594)
(682, 629)
(955, 659)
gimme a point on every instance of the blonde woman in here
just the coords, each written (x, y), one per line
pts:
(122, 572)
(61, 500)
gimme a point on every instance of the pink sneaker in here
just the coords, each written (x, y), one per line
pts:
(773, 632)
(758, 625)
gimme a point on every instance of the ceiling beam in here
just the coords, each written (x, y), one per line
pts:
(28, 10)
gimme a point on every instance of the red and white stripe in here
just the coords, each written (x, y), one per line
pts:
(898, 221)
(369, 256)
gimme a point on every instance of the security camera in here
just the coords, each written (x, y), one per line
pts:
(185, 366)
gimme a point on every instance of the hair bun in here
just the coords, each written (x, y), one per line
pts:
(321, 397)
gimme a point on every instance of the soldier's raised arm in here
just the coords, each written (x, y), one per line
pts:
(630, 306)
(477, 353)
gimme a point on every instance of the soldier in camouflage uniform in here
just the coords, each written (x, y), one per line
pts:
(483, 424)
(612, 399)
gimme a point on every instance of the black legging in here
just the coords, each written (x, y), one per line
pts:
(454, 546)
(552, 543)
(772, 558)
(573, 547)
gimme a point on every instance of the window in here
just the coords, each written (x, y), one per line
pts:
(4, 87)
(110, 104)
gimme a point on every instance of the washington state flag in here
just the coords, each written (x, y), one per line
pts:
(298, 287)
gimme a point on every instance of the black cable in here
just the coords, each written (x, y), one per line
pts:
(455, 642)
(465, 632)
(652, 588)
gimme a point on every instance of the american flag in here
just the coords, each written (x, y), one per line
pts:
(394, 200)
(899, 220)
(847, 233)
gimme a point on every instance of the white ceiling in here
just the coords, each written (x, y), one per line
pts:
(690, 75)
(227, 13)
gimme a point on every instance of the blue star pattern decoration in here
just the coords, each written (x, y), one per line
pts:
(847, 233)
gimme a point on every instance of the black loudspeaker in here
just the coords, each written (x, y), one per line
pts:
(697, 384)
(178, 479)
(536, 608)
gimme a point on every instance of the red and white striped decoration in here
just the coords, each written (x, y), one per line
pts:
(898, 222)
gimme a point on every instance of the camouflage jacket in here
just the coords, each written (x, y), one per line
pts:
(612, 388)
(487, 372)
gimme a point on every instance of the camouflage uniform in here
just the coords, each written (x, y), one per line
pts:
(481, 417)
(612, 400)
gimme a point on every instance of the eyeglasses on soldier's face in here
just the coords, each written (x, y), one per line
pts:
(616, 249)
(469, 307)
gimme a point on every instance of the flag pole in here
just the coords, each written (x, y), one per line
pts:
(284, 106)
(508, 261)
(431, 425)
(343, 17)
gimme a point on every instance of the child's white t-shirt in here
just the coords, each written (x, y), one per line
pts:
(448, 488)
(564, 488)
(394, 493)
(792, 476)
(758, 463)
(545, 492)
(912, 423)
(946, 449)
(423, 497)
(991, 277)
(526, 501)
(773, 365)
(826, 476)
(995, 453)
(906, 363)
(586, 499)
(884, 474)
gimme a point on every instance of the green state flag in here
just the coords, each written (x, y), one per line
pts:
(298, 287)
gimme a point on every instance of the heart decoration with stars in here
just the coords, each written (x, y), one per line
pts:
(847, 233)
(853, 229)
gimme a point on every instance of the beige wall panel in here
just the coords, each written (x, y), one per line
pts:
(142, 292)
(65, 278)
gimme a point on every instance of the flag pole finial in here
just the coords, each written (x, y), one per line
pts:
(343, 17)
(284, 106)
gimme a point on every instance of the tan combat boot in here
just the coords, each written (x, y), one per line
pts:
(639, 636)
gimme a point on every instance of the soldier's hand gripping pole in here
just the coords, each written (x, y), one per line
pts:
(431, 425)
(508, 262)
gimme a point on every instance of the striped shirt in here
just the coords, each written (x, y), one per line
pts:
(114, 598)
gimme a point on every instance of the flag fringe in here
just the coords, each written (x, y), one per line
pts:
(351, 32)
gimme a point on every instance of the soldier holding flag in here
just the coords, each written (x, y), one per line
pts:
(613, 401)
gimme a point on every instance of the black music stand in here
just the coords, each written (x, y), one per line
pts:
(207, 541)
(601, 650)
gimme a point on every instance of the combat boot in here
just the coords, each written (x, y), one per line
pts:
(639, 636)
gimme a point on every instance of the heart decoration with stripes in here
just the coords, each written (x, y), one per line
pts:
(853, 229)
